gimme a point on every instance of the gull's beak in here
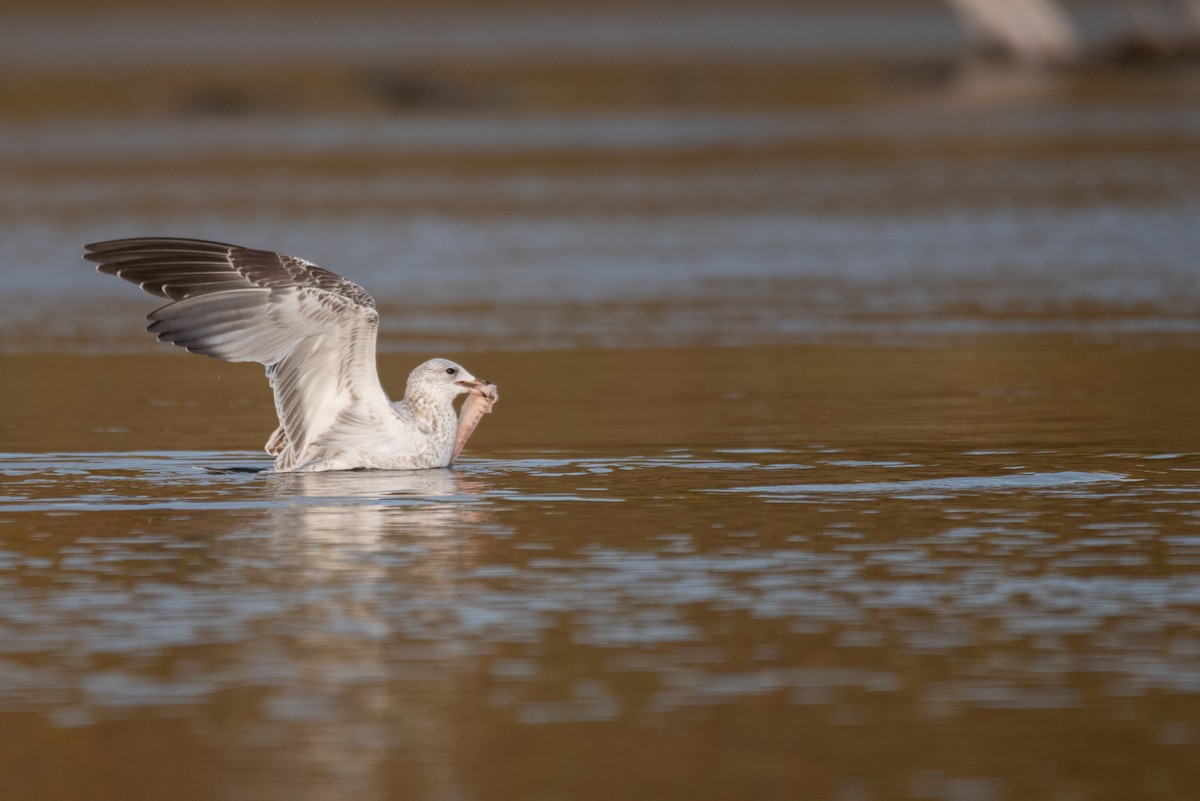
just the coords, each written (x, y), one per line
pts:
(474, 385)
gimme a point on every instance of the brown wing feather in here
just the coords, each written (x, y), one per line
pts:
(182, 268)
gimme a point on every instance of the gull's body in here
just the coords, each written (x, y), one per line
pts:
(315, 333)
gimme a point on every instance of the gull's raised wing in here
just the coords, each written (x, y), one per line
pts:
(314, 330)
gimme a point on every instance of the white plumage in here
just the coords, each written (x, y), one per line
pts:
(315, 332)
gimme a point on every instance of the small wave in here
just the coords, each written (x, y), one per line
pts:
(1019, 481)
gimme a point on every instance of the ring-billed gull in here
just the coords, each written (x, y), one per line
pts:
(315, 332)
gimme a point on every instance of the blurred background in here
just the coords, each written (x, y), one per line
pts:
(531, 175)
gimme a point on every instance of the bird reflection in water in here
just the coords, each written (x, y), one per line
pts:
(360, 506)
(375, 562)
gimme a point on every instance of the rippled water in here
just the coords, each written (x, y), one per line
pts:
(994, 597)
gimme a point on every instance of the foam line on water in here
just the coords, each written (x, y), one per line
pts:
(1019, 481)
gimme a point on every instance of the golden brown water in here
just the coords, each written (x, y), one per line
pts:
(961, 572)
(847, 447)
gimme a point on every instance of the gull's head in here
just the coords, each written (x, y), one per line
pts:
(441, 379)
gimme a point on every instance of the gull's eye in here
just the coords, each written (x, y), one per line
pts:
(451, 371)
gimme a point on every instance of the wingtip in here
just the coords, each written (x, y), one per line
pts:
(98, 259)
(94, 248)
(99, 252)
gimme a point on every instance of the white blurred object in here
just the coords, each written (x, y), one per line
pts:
(1031, 32)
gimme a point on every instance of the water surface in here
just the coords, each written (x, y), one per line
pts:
(969, 570)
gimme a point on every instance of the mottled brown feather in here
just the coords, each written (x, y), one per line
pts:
(177, 269)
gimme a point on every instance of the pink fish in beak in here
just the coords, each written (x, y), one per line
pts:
(480, 400)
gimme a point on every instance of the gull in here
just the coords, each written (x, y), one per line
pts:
(315, 332)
